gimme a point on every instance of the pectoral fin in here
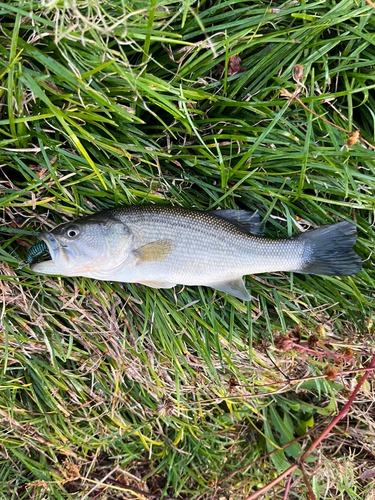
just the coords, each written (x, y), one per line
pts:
(233, 287)
(153, 252)
(158, 284)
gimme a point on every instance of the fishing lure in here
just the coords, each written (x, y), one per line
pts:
(38, 249)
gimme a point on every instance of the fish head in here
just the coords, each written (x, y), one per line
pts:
(88, 245)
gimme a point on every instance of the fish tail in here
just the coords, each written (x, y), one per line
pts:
(329, 250)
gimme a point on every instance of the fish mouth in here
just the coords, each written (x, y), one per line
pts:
(54, 248)
(53, 245)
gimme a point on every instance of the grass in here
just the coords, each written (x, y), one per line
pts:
(175, 393)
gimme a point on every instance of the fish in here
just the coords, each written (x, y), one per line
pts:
(162, 246)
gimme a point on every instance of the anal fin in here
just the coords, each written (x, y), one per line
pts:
(157, 284)
(234, 287)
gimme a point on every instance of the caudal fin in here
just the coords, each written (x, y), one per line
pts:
(329, 250)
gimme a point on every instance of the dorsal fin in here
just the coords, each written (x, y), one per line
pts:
(247, 221)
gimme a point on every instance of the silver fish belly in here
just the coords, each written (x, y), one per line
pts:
(162, 246)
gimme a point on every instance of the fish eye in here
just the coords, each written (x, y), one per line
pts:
(72, 231)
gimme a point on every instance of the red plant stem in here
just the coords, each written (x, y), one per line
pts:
(341, 414)
(263, 394)
(287, 487)
(311, 448)
(295, 97)
(273, 483)
(306, 481)
(299, 438)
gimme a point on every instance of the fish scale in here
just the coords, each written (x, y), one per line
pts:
(162, 246)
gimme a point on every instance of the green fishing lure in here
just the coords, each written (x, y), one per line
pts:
(38, 249)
